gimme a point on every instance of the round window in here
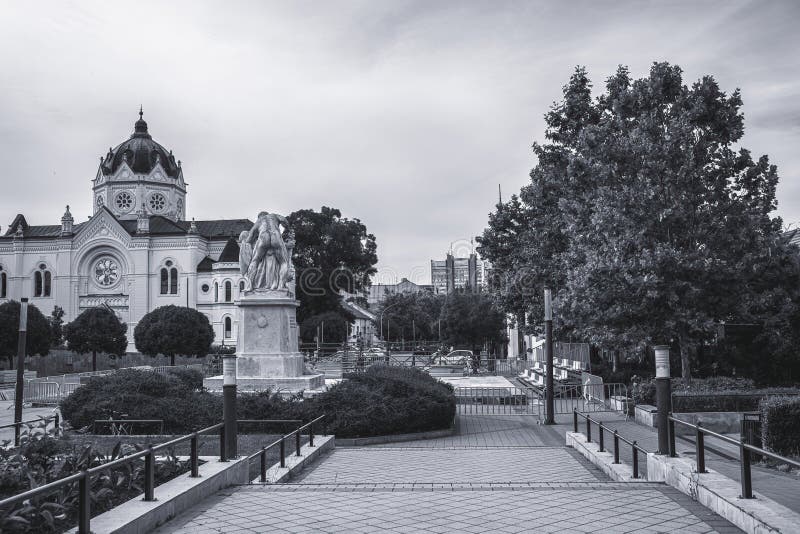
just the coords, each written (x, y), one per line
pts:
(124, 201)
(205, 288)
(106, 272)
(157, 202)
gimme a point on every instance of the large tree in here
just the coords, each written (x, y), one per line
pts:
(38, 333)
(471, 320)
(409, 316)
(662, 228)
(331, 254)
(172, 330)
(97, 330)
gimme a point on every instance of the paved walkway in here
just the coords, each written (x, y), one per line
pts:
(493, 476)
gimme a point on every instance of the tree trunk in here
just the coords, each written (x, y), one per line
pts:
(94, 360)
(685, 351)
(521, 354)
(172, 360)
(11, 362)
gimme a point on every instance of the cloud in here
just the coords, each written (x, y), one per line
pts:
(405, 114)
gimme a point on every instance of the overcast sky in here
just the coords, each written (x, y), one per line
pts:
(405, 114)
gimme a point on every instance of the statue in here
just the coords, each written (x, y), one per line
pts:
(264, 257)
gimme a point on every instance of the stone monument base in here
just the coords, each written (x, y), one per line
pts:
(286, 384)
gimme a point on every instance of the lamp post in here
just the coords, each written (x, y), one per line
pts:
(21, 347)
(387, 321)
(229, 403)
(663, 396)
(548, 336)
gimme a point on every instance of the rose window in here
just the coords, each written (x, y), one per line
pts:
(124, 201)
(157, 202)
(106, 272)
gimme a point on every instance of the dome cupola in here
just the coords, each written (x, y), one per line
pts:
(140, 173)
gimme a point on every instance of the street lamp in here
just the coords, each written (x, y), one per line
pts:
(387, 321)
(548, 329)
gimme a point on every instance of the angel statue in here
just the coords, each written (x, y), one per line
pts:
(264, 257)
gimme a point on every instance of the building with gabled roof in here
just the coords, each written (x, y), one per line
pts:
(137, 252)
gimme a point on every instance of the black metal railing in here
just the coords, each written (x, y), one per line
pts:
(602, 429)
(745, 452)
(281, 443)
(18, 426)
(119, 427)
(84, 477)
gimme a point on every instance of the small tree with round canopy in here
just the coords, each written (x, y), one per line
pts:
(38, 337)
(171, 330)
(97, 330)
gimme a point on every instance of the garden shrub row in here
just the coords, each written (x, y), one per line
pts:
(383, 400)
(780, 425)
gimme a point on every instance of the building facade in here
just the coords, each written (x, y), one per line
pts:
(377, 293)
(456, 273)
(136, 253)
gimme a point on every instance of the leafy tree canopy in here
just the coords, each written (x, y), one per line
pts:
(332, 326)
(38, 335)
(410, 316)
(644, 216)
(471, 320)
(331, 254)
(172, 330)
(97, 330)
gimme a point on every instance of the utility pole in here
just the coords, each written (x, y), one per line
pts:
(21, 347)
(548, 333)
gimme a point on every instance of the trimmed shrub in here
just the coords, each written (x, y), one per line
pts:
(135, 394)
(780, 425)
(383, 400)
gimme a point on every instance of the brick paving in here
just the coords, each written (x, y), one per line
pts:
(498, 474)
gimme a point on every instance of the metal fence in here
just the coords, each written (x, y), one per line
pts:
(591, 397)
(510, 400)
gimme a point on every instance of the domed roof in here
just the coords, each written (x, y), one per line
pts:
(141, 153)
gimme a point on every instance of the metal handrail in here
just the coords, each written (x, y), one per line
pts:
(281, 442)
(39, 420)
(745, 450)
(635, 447)
(84, 476)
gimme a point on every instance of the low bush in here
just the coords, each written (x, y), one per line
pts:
(780, 425)
(382, 400)
(387, 400)
(135, 394)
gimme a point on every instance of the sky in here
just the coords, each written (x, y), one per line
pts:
(405, 114)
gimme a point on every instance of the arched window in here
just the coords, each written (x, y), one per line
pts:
(3, 283)
(228, 328)
(169, 279)
(42, 282)
(216, 292)
(228, 291)
(241, 287)
(173, 281)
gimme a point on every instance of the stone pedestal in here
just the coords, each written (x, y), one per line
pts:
(268, 356)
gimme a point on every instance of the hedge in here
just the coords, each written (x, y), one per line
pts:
(780, 425)
(383, 400)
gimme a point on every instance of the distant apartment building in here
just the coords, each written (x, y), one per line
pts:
(378, 292)
(457, 273)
